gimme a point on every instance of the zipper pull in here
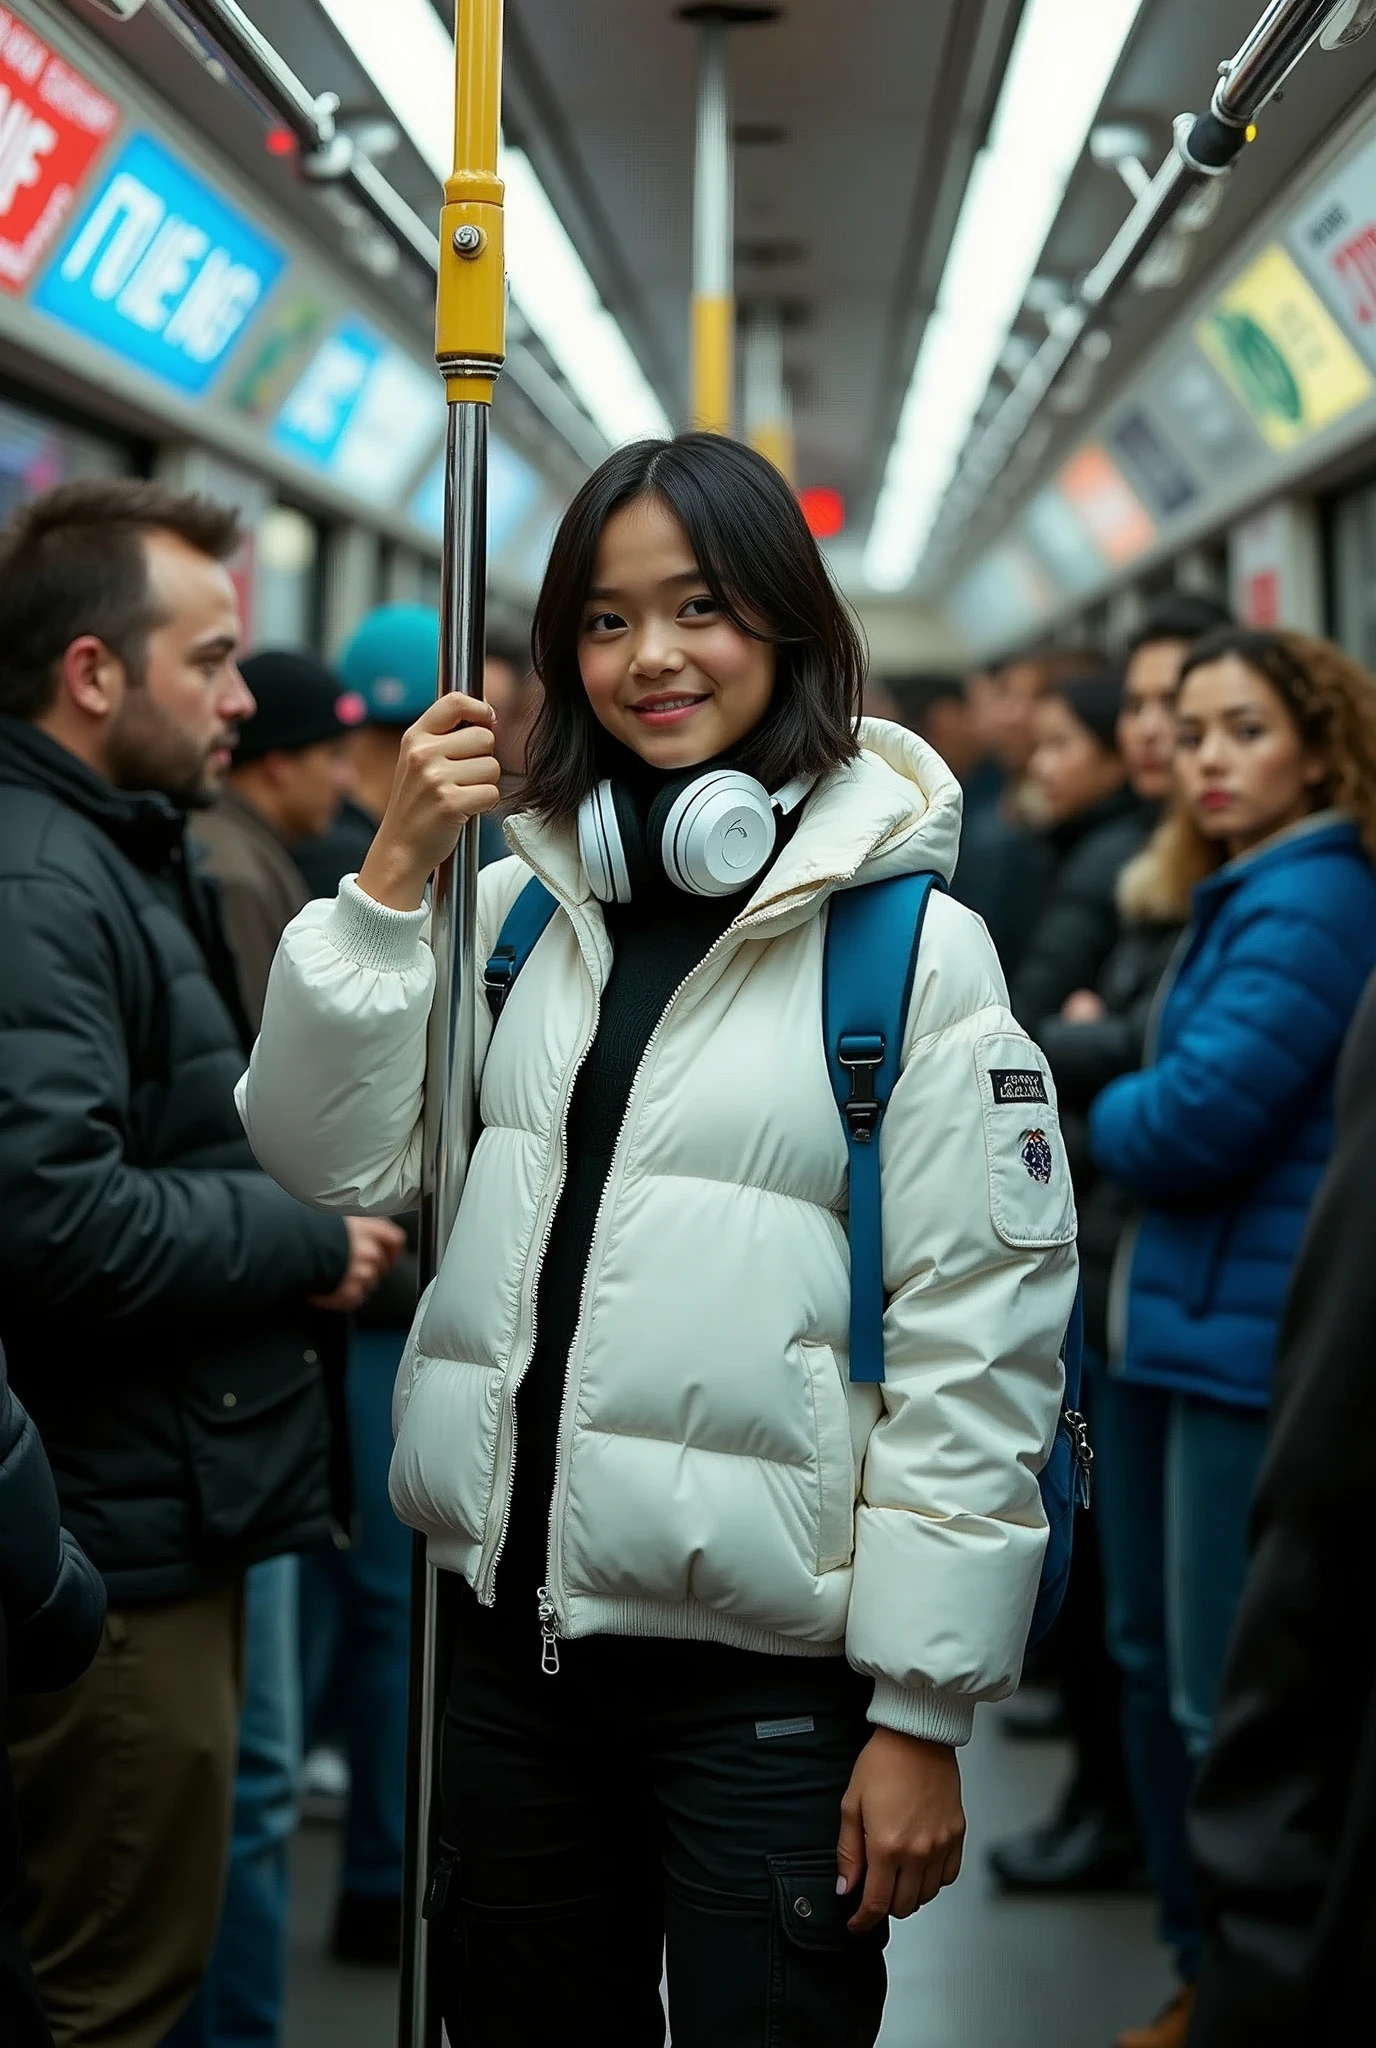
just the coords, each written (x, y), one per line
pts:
(441, 1877)
(549, 1634)
(1083, 1453)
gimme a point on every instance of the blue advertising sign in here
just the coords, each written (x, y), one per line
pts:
(364, 411)
(311, 424)
(159, 269)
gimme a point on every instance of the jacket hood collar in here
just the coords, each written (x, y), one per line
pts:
(1322, 831)
(894, 810)
(143, 824)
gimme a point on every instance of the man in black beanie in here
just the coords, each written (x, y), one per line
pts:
(290, 775)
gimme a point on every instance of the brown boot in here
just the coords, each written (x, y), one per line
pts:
(1170, 2029)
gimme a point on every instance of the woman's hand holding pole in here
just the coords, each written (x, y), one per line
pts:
(447, 773)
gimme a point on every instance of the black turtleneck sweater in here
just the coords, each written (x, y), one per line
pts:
(656, 943)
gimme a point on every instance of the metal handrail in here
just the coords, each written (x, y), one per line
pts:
(1205, 148)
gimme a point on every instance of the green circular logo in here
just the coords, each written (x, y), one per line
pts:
(1267, 381)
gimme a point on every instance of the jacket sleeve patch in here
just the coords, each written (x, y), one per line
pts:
(1031, 1203)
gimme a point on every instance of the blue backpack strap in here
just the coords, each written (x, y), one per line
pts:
(872, 939)
(524, 923)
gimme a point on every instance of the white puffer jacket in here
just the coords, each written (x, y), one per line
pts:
(717, 1475)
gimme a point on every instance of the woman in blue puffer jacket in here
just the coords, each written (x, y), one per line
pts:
(1223, 1138)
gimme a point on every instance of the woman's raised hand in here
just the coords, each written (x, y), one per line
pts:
(447, 773)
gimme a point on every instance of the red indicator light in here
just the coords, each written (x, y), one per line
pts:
(824, 510)
(280, 142)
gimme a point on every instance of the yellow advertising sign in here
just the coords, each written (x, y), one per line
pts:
(1282, 352)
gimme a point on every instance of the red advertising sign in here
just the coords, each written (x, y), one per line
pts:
(1110, 511)
(52, 122)
(1354, 263)
(1335, 240)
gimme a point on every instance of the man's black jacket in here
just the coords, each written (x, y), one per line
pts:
(153, 1282)
(1284, 1824)
(52, 1602)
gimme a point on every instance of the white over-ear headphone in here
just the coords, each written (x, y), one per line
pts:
(712, 837)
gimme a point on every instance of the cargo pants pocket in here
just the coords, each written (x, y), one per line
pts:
(826, 1985)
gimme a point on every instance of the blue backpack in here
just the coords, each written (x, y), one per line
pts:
(872, 938)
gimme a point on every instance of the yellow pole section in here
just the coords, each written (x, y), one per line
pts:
(470, 302)
(714, 331)
(713, 321)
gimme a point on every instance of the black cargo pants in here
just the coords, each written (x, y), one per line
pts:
(651, 1798)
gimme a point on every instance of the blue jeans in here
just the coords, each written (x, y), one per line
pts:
(355, 1637)
(1176, 1477)
(239, 2004)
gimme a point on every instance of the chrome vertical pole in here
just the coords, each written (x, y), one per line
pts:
(469, 349)
(449, 1105)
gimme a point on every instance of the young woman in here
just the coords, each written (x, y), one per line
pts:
(726, 1616)
(1094, 824)
(1223, 1138)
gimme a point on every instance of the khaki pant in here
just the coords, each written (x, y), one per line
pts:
(125, 1785)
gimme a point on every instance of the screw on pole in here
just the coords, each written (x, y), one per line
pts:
(469, 242)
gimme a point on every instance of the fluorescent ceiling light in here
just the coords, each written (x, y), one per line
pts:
(1062, 59)
(406, 51)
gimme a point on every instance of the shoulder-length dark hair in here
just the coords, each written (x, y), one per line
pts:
(764, 569)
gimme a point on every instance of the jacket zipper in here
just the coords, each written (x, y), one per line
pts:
(550, 1616)
(488, 1594)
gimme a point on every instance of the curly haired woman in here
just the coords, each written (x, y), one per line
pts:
(1223, 1137)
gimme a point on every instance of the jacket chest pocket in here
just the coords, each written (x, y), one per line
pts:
(835, 1457)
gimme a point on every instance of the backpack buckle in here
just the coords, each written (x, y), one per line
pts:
(861, 1058)
(498, 975)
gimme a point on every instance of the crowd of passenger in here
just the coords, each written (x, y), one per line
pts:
(1176, 857)
(203, 1579)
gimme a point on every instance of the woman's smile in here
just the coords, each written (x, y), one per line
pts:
(668, 710)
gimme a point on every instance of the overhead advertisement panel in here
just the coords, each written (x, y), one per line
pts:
(159, 269)
(1160, 473)
(1109, 509)
(52, 122)
(362, 411)
(279, 349)
(1282, 352)
(1187, 393)
(1335, 240)
(1061, 543)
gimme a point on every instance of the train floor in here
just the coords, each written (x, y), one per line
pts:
(973, 1970)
